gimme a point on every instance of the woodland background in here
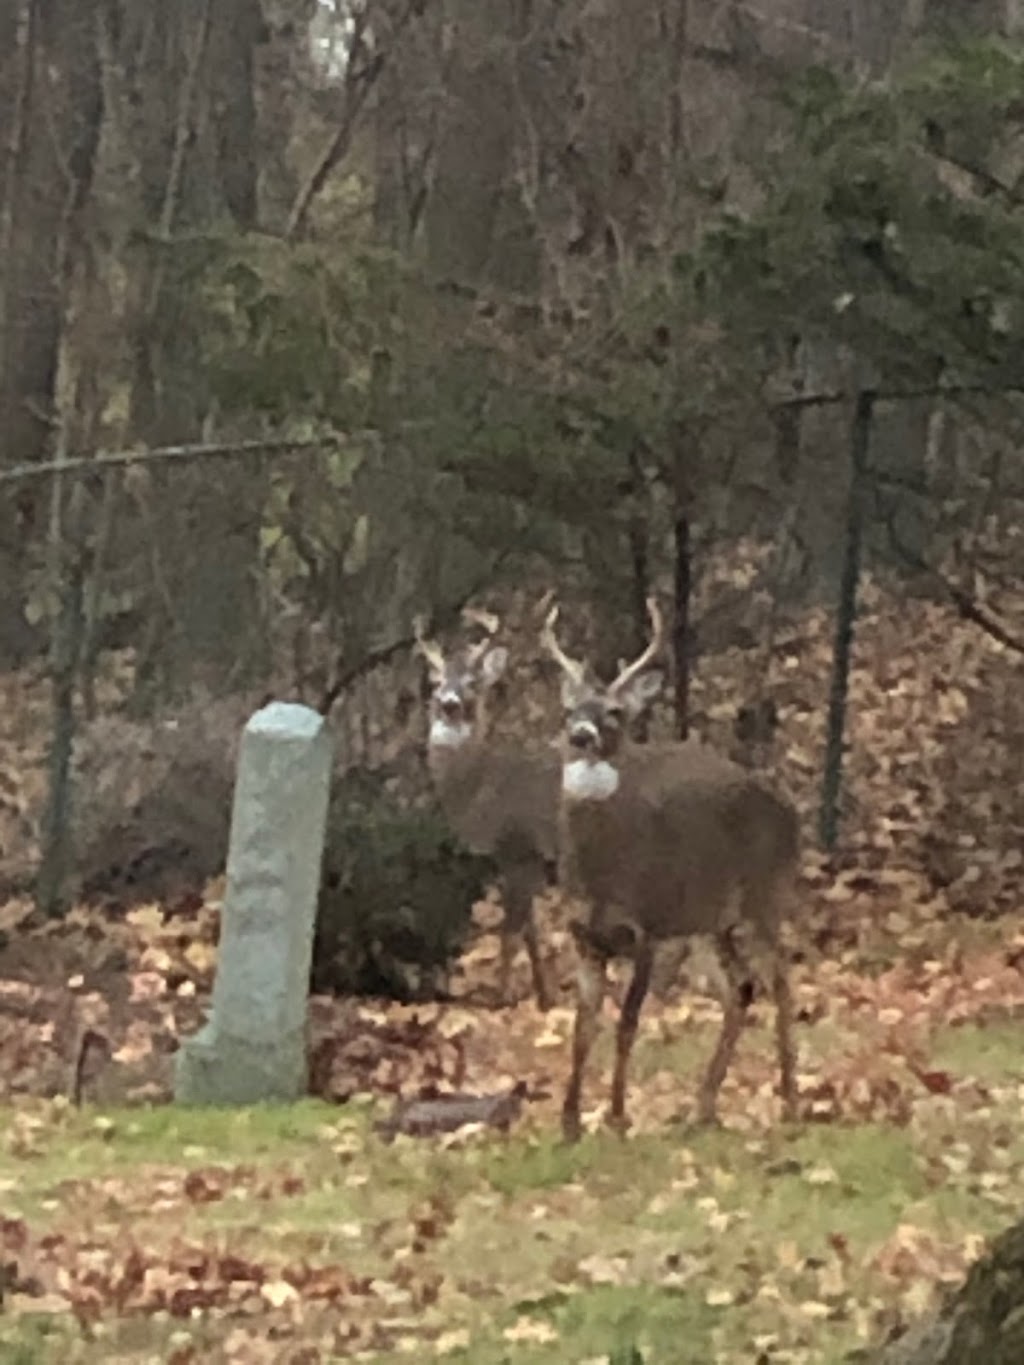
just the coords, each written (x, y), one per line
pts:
(314, 316)
(716, 298)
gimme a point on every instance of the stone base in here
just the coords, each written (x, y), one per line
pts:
(223, 1070)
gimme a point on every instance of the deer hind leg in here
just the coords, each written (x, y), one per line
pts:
(522, 884)
(507, 953)
(625, 1036)
(591, 979)
(784, 1035)
(737, 999)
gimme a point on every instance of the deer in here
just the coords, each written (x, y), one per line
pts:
(500, 798)
(662, 842)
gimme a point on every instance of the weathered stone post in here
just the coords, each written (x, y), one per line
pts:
(253, 1046)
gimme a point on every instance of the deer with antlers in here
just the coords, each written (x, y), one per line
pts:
(501, 799)
(665, 841)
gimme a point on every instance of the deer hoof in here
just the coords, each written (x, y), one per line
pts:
(619, 1123)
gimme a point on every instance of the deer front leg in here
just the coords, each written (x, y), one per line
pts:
(784, 1036)
(522, 883)
(507, 953)
(625, 1036)
(737, 999)
(590, 988)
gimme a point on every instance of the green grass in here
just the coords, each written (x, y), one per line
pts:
(676, 1245)
(994, 1053)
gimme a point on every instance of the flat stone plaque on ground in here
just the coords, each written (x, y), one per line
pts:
(253, 1047)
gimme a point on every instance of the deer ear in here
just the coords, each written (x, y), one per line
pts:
(493, 665)
(638, 694)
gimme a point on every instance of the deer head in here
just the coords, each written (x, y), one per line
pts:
(597, 714)
(461, 682)
(499, 798)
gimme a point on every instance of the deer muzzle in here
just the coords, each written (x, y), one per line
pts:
(450, 705)
(584, 736)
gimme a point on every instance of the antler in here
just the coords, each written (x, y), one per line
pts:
(545, 603)
(476, 616)
(430, 649)
(628, 672)
(572, 667)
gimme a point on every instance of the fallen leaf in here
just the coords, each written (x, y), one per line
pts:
(719, 1298)
(456, 1339)
(531, 1330)
(279, 1292)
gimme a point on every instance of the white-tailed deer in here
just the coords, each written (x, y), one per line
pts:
(664, 841)
(502, 799)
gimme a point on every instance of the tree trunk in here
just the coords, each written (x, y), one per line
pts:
(681, 633)
(50, 114)
(64, 657)
(846, 618)
(983, 1321)
(476, 229)
(190, 78)
(638, 535)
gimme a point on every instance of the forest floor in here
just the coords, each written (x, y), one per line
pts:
(135, 1230)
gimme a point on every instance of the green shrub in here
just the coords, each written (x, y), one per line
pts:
(396, 895)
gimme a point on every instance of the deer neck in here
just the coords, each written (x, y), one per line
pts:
(589, 780)
(455, 757)
(447, 739)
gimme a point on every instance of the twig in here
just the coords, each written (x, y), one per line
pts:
(182, 127)
(361, 74)
(831, 397)
(91, 464)
(967, 605)
(346, 675)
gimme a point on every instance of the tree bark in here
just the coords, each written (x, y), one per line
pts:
(681, 633)
(191, 128)
(846, 619)
(50, 115)
(982, 1321)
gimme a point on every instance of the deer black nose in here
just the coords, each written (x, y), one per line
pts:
(450, 707)
(583, 735)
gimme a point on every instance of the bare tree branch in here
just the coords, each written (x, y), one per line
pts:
(347, 674)
(362, 71)
(182, 128)
(202, 450)
(966, 604)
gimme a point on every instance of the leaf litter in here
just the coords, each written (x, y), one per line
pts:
(911, 942)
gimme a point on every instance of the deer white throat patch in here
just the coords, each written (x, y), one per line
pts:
(446, 735)
(585, 781)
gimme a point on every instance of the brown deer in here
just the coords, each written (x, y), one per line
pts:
(502, 799)
(665, 841)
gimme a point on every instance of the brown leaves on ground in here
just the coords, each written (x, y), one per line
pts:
(98, 1276)
(94, 1277)
(914, 929)
(106, 1259)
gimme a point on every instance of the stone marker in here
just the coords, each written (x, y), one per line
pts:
(253, 1046)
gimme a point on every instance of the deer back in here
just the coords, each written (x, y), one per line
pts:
(689, 843)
